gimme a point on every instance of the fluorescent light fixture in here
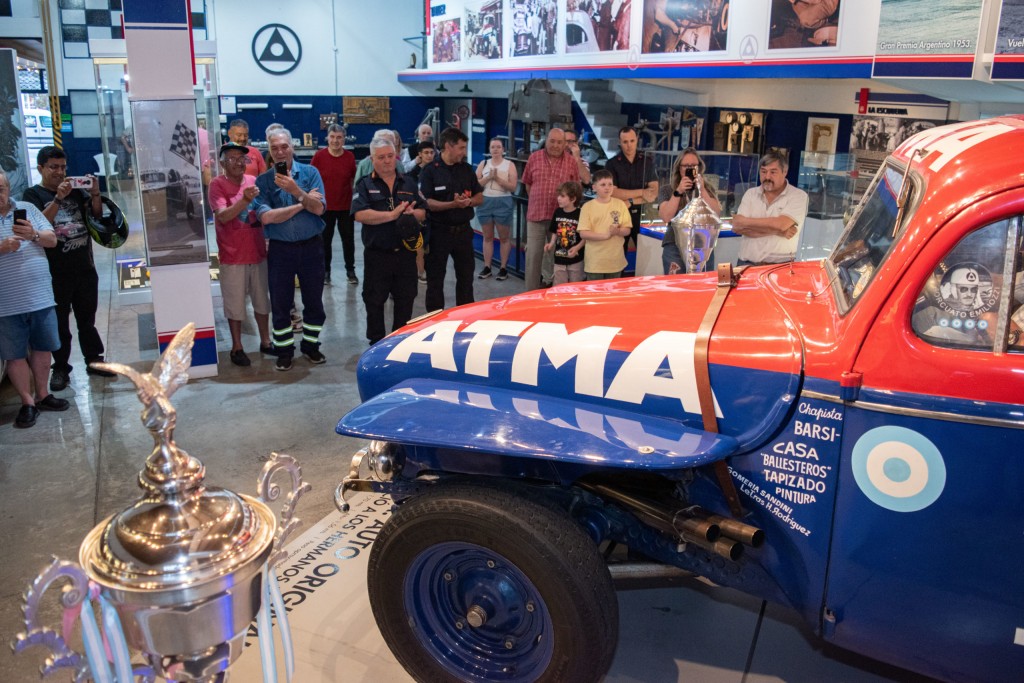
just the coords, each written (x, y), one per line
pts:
(290, 105)
(253, 105)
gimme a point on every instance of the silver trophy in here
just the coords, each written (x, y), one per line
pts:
(696, 229)
(184, 566)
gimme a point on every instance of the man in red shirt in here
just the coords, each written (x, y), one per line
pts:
(243, 250)
(238, 133)
(337, 167)
(546, 169)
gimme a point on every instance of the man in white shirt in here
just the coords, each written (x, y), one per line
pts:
(770, 216)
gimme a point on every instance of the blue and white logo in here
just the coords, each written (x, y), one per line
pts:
(898, 469)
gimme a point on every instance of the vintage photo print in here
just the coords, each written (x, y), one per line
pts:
(685, 26)
(534, 28)
(799, 24)
(483, 30)
(447, 39)
(597, 25)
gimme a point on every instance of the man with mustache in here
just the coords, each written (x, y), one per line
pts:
(770, 216)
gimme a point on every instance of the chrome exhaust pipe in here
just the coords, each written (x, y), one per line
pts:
(679, 524)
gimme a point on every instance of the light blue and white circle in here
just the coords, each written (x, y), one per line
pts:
(898, 469)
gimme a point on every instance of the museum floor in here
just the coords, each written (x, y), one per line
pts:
(73, 469)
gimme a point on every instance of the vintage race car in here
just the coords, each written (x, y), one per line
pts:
(843, 437)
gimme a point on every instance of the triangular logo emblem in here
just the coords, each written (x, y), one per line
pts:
(276, 49)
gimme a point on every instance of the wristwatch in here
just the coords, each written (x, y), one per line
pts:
(35, 237)
(631, 201)
(677, 193)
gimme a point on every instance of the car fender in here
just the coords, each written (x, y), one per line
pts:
(509, 422)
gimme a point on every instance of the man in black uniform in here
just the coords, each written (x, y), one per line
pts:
(75, 282)
(451, 190)
(388, 205)
(634, 178)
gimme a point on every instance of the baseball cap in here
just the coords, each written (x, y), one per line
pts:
(228, 146)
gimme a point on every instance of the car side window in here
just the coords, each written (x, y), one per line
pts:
(963, 302)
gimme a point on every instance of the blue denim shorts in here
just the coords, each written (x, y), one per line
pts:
(495, 210)
(36, 330)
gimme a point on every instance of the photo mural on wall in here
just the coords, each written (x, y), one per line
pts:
(1008, 62)
(685, 25)
(597, 25)
(534, 28)
(804, 24)
(482, 30)
(447, 36)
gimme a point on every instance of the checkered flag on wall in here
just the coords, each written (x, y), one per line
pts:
(184, 142)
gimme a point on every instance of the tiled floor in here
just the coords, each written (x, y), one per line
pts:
(73, 469)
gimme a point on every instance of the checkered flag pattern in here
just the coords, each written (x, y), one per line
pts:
(184, 142)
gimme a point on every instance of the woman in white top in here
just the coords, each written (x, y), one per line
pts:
(499, 178)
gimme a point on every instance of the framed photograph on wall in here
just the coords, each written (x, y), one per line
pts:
(820, 145)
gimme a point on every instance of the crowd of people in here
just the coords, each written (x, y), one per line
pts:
(275, 221)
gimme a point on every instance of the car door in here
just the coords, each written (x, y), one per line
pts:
(928, 542)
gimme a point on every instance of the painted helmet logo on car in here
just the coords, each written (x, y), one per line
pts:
(898, 469)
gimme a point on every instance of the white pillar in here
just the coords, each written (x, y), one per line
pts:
(161, 70)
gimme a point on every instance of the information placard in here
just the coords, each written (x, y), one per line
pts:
(927, 38)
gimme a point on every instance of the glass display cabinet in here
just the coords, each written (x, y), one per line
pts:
(117, 163)
(830, 182)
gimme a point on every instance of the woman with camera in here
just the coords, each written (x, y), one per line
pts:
(687, 173)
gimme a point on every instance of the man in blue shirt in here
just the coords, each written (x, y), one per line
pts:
(290, 203)
(28, 317)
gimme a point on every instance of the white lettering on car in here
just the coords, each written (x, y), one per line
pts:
(944, 145)
(641, 374)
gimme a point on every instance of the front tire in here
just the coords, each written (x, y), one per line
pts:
(472, 582)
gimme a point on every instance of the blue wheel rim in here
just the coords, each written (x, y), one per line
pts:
(450, 585)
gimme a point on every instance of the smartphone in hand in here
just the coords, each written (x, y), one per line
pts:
(20, 215)
(81, 182)
(281, 168)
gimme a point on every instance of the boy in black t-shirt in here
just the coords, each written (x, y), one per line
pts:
(565, 238)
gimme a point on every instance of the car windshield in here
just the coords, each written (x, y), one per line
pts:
(870, 235)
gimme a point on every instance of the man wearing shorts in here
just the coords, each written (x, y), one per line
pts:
(243, 251)
(28, 316)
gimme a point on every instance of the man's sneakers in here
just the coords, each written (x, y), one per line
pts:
(96, 372)
(502, 275)
(484, 274)
(422, 277)
(268, 350)
(315, 357)
(28, 414)
(352, 279)
(58, 382)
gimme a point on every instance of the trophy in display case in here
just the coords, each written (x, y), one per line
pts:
(696, 229)
(178, 576)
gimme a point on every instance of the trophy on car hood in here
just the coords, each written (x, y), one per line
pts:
(696, 229)
(179, 575)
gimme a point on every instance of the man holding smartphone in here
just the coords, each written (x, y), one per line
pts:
(289, 205)
(27, 315)
(75, 282)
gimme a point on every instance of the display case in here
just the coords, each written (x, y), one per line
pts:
(830, 182)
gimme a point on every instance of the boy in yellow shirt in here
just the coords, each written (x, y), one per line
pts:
(603, 224)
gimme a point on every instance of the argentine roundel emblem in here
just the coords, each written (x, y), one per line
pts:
(898, 469)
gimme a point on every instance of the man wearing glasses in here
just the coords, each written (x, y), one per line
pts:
(243, 251)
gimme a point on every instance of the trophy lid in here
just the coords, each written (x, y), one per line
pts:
(165, 543)
(180, 534)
